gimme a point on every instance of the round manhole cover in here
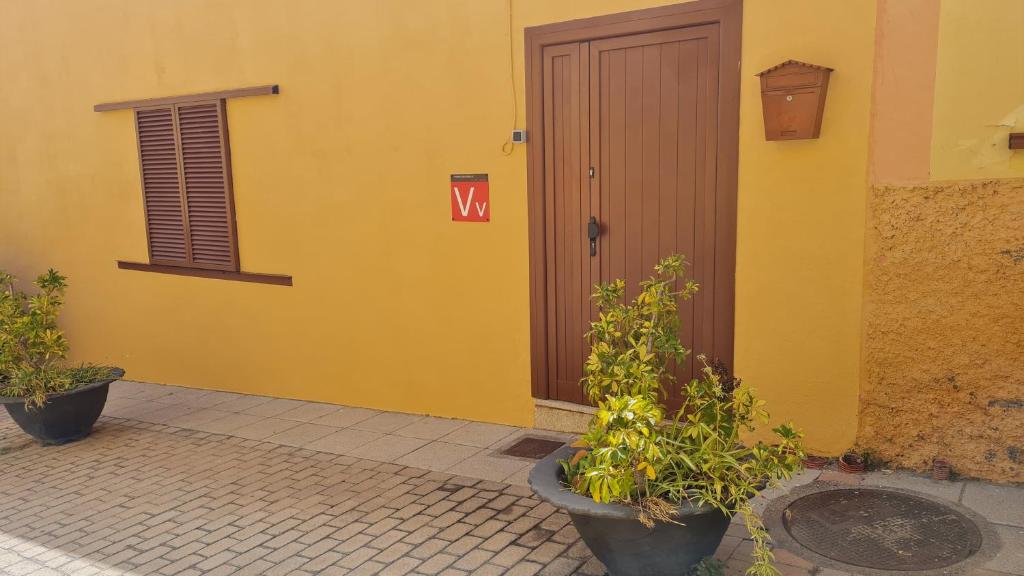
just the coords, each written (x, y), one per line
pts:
(881, 529)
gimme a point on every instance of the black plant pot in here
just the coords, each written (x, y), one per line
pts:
(619, 540)
(65, 417)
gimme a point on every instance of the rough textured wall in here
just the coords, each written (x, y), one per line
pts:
(944, 327)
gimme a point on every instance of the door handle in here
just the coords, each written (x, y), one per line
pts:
(593, 231)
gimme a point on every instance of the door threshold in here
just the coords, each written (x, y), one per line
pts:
(562, 416)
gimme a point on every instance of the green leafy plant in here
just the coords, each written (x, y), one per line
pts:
(632, 455)
(32, 346)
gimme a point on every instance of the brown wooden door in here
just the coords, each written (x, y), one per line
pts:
(630, 137)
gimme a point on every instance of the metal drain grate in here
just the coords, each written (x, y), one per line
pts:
(881, 529)
(532, 447)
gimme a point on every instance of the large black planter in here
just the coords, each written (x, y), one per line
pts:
(65, 417)
(619, 540)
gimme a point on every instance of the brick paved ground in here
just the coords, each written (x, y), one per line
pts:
(145, 497)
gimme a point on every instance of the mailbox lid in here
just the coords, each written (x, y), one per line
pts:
(791, 66)
(792, 79)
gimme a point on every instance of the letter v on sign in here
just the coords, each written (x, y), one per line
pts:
(470, 198)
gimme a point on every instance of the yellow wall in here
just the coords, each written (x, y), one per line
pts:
(979, 90)
(801, 222)
(949, 88)
(341, 181)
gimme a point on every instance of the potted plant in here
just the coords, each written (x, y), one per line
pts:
(815, 462)
(851, 462)
(50, 401)
(652, 496)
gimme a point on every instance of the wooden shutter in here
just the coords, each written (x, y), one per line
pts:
(161, 187)
(189, 204)
(205, 163)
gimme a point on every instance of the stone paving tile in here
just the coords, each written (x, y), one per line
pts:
(195, 420)
(139, 390)
(159, 412)
(480, 434)
(301, 435)
(999, 503)
(229, 423)
(273, 407)
(309, 411)
(186, 396)
(125, 407)
(488, 467)
(1009, 560)
(387, 422)
(438, 456)
(344, 441)
(263, 428)
(520, 478)
(431, 428)
(347, 416)
(907, 481)
(238, 402)
(387, 448)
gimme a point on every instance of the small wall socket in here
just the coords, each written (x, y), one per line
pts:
(519, 136)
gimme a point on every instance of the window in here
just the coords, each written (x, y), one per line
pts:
(185, 169)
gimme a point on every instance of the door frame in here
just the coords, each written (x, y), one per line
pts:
(728, 15)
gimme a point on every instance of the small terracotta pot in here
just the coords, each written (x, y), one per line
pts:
(851, 465)
(940, 469)
(815, 462)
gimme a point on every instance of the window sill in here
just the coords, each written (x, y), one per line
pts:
(277, 279)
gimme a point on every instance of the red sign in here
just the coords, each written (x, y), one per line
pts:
(471, 198)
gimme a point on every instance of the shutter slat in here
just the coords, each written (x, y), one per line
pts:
(160, 184)
(209, 209)
(211, 222)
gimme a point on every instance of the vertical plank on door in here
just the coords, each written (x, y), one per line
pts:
(569, 380)
(563, 261)
(600, 67)
(551, 77)
(704, 268)
(589, 265)
(615, 142)
(686, 178)
(632, 193)
(669, 133)
(568, 265)
(722, 233)
(648, 196)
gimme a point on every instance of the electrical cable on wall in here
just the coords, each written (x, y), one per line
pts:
(509, 145)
